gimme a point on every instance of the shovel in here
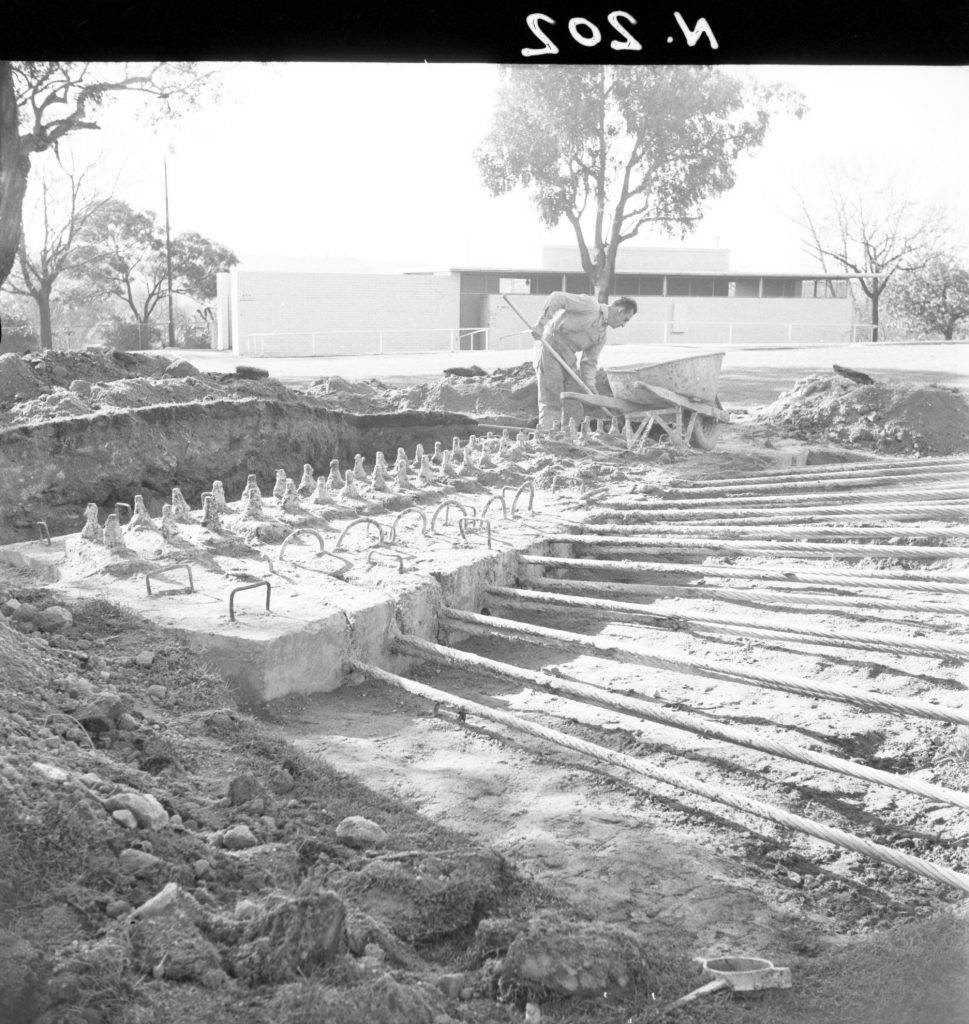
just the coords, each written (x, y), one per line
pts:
(737, 973)
(565, 366)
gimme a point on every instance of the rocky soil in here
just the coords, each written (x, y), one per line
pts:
(164, 858)
(166, 855)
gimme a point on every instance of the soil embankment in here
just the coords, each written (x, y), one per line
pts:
(887, 416)
(148, 434)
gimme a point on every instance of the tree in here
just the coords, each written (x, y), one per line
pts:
(42, 102)
(933, 299)
(125, 258)
(64, 207)
(614, 148)
(872, 231)
(195, 263)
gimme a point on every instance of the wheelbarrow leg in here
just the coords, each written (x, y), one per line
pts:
(688, 431)
(672, 432)
(638, 441)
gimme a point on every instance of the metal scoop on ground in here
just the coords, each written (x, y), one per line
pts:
(740, 974)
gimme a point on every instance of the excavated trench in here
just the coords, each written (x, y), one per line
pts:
(721, 705)
(50, 469)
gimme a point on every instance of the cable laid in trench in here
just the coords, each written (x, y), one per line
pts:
(885, 579)
(730, 626)
(805, 601)
(938, 493)
(618, 650)
(638, 766)
(955, 511)
(831, 484)
(803, 532)
(646, 544)
(825, 471)
(677, 720)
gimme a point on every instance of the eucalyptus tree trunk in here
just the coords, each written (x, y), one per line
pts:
(14, 171)
(42, 298)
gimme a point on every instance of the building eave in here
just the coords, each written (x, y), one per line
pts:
(800, 274)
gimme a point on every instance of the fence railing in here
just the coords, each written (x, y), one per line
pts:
(132, 336)
(720, 332)
(372, 341)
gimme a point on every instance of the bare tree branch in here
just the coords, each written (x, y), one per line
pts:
(870, 232)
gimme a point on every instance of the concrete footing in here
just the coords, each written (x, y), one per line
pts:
(314, 622)
(319, 614)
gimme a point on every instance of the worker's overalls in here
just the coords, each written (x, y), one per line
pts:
(575, 326)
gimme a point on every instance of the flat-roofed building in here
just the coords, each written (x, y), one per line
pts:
(685, 296)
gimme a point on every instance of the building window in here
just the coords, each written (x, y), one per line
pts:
(677, 286)
(744, 287)
(514, 286)
(697, 287)
(637, 284)
(824, 289)
(773, 288)
(474, 283)
(578, 284)
(782, 288)
(626, 284)
(545, 284)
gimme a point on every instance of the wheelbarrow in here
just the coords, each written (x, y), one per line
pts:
(678, 396)
(742, 975)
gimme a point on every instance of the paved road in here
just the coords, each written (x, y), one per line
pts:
(750, 377)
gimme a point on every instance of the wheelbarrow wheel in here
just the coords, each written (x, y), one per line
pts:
(706, 431)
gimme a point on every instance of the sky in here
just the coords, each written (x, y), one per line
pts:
(372, 164)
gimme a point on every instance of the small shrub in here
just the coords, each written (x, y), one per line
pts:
(128, 337)
(18, 334)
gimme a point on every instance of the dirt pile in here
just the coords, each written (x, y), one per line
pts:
(163, 856)
(38, 372)
(46, 386)
(885, 416)
(508, 392)
(40, 387)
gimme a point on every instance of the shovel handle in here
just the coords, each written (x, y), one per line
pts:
(565, 366)
(711, 986)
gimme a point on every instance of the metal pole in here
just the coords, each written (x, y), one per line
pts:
(168, 262)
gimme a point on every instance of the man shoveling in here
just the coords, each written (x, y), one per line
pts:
(574, 326)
